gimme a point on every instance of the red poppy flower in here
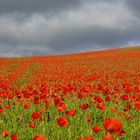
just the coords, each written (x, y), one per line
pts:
(108, 137)
(35, 115)
(100, 105)
(128, 89)
(47, 103)
(107, 98)
(89, 119)
(1, 109)
(32, 124)
(7, 106)
(4, 133)
(70, 112)
(26, 95)
(137, 105)
(112, 125)
(41, 111)
(86, 88)
(39, 137)
(14, 137)
(96, 129)
(120, 132)
(98, 98)
(100, 87)
(127, 117)
(57, 101)
(88, 138)
(121, 113)
(80, 95)
(113, 109)
(61, 107)
(26, 106)
(84, 106)
(36, 101)
(124, 97)
(62, 121)
(128, 107)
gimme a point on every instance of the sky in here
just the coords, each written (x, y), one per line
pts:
(51, 27)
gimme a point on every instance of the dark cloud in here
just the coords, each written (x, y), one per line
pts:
(36, 6)
(134, 6)
(55, 27)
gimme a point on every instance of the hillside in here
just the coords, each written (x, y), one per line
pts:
(84, 96)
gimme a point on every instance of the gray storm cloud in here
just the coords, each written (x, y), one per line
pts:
(29, 7)
(56, 27)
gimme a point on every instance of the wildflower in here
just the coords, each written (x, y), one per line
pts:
(127, 117)
(83, 106)
(1, 110)
(14, 137)
(70, 112)
(89, 119)
(62, 121)
(32, 124)
(120, 132)
(108, 137)
(112, 125)
(113, 109)
(107, 98)
(100, 105)
(137, 105)
(39, 137)
(61, 107)
(35, 115)
(96, 129)
(4, 133)
(86, 138)
(86, 88)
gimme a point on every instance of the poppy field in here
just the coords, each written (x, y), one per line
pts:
(85, 96)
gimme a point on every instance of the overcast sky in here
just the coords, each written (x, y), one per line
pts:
(46, 27)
